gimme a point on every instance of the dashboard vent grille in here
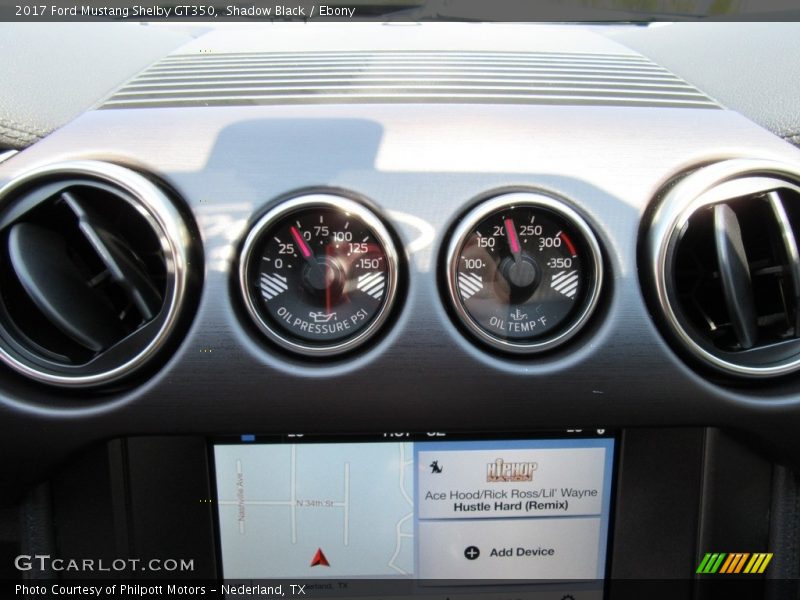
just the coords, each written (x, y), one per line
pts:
(90, 281)
(731, 275)
(460, 77)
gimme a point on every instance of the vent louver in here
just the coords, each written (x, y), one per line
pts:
(266, 78)
(94, 260)
(727, 268)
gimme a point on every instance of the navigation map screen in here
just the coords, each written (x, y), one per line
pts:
(511, 509)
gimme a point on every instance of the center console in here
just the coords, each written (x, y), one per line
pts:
(581, 513)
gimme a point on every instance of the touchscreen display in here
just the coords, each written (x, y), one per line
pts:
(446, 510)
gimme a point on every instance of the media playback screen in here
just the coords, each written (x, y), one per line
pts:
(513, 510)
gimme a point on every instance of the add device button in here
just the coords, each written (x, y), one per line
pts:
(472, 552)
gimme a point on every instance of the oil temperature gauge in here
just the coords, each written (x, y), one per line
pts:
(523, 272)
(319, 274)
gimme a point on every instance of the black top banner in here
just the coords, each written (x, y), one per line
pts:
(215, 11)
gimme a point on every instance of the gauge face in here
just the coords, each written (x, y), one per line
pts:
(319, 274)
(524, 272)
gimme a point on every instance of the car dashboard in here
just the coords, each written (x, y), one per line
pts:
(669, 291)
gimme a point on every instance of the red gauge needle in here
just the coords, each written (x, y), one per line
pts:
(301, 243)
(327, 281)
(323, 275)
(513, 240)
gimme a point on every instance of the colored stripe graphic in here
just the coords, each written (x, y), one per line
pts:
(767, 558)
(711, 562)
(758, 563)
(704, 563)
(727, 564)
(715, 567)
(737, 563)
(754, 560)
(734, 563)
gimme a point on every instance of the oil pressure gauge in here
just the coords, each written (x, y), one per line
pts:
(319, 274)
(523, 272)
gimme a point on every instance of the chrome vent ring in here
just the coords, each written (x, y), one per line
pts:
(95, 268)
(723, 254)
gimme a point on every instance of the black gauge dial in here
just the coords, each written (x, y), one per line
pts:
(524, 272)
(319, 274)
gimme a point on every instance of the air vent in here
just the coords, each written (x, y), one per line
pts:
(265, 78)
(94, 272)
(727, 269)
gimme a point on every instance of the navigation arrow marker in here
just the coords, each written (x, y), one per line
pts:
(319, 559)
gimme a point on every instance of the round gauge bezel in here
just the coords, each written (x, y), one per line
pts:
(325, 201)
(489, 207)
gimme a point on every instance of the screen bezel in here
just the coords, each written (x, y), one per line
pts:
(439, 436)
